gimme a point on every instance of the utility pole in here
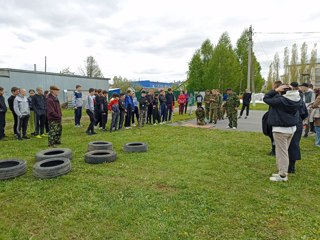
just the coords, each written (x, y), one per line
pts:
(45, 63)
(249, 58)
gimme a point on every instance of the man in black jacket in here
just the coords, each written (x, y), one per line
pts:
(40, 110)
(283, 117)
(3, 110)
(170, 104)
(246, 99)
(14, 93)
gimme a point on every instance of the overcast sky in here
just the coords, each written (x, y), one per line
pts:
(144, 39)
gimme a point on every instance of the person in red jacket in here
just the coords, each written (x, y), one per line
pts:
(181, 102)
(54, 117)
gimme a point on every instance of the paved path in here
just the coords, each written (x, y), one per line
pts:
(251, 124)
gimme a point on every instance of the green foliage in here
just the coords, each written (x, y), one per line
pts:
(91, 68)
(286, 65)
(293, 63)
(304, 58)
(196, 72)
(313, 58)
(122, 83)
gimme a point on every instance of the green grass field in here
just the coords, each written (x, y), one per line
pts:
(191, 184)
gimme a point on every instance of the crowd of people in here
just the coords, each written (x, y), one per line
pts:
(294, 110)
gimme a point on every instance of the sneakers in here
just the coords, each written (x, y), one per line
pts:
(234, 128)
(154, 124)
(227, 127)
(38, 136)
(239, 117)
(134, 125)
(127, 127)
(44, 135)
(277, 178)
(245, 117)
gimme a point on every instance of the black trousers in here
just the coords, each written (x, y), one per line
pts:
(245, 106)
(185, 107)
(156, 115)
(40, 121)
(77, 115)
(97, 115)
(104, 120)
(128, 117)
(149, 114)
(2, 123)
(199, 104)
(169, 113)
(121, 119)
(294, 148)
(90, 128)
(135, 112)
(15, 123)
(22, 126)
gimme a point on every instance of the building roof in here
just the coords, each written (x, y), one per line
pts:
(49, 73)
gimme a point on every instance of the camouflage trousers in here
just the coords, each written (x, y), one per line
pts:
(55, 131)
(200, 121)
(207, 111)
(142, 118)
(214, 114)
(220, 115)
(232, 116)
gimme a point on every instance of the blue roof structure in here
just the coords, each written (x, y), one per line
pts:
(150, 84)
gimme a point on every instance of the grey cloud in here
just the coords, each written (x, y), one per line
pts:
(24, 38)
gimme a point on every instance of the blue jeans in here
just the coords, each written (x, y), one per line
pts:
(317, 129)
(77, 115)
(163, 111)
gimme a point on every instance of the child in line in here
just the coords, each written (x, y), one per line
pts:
(143, 104)
(89, 105)
(114, 107)
(122, 108)
(156, 114)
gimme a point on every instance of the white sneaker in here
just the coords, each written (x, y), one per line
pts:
(155, 124)
(234, 128)
(128, 127)
(134, 125)
(279, 179)
(227, 127)
(164, 122)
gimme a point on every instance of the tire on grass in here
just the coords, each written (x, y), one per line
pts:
(52, 167)
(135, 147)
(54, 153)
(100, 156)
(12, 168)
(99, 145)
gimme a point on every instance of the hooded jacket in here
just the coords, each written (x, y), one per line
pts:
(284, 111)
(21, 106)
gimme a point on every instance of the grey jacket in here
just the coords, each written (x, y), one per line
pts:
(89, 103)
(21, 106)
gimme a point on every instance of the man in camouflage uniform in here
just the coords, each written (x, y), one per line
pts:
(231, 106)
(200, 116)
(214, 101)
(220, 101)
(54, 117)
(207, 98)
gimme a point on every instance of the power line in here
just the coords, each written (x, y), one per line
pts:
(286, 32)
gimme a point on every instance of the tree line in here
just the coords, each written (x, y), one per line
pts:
(222, 66)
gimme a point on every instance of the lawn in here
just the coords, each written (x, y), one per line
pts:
(191, 184)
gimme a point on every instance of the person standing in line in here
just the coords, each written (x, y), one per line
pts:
(54, 117)
(294, 147)
(97, 108)
(46, 123)
(22, 110)
(199, 99)
(170, 104)
(90, 108)
(14, 93)
(32, 115)
(187, 101)
(155, 111)
(163, 106)
(114, 108)
(191, 103)
(104, 110)
(246, 99)
(308, 97)
(3, 110)
(136, 109)
(220, 101)
(214, 101)
(150, 98)
(143, 106)
(39, 106)
(207, 98)
(231, 106)
(122, 110)
(129, 107)
(181, 102)
(283, 117)
(77, 105)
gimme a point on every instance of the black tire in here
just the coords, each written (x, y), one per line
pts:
(99, 145)
(100, 156)
(54, 153)
(52, 167)
(12, 168)
(135, 147)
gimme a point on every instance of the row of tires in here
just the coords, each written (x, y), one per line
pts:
(51, 163)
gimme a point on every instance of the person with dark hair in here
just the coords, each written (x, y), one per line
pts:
(97, 108)
(170, 104)
(246, 99)
(32, 115)
(283, 117)
(129, 107)
(199, 99)
(150, 97)
(181, 101)
(22, 110)
(104, 109)
(77, 105)
(54, 117)
(155, 111)
(114, 108)
(39, 106)
(231, 105)
(294, 147)
(163, 106)
(90, 108)
(122, 110)
(136, 109)
(14, 93)
(3, 110)
(143, 106)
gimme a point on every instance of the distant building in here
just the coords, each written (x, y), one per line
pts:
(33, 79)
(150, 84)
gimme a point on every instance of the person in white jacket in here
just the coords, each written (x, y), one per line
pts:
(22, 109)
